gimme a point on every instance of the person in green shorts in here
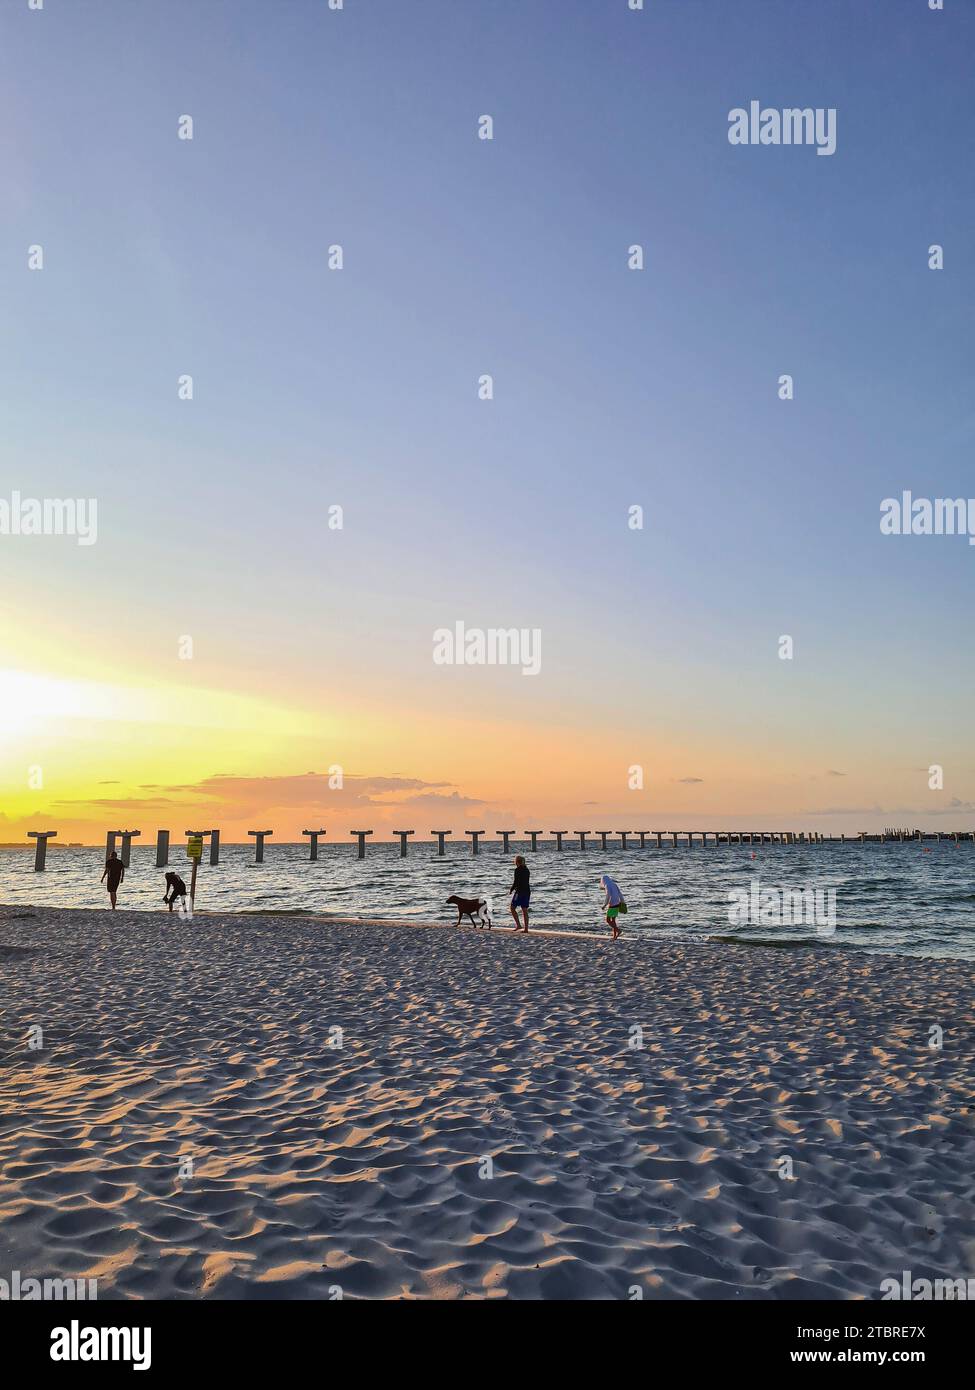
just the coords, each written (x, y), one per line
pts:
(614, 903)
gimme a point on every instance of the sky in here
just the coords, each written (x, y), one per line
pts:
(661, 699)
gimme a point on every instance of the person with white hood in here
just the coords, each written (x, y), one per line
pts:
(614, 903)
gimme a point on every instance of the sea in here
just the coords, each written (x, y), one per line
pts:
(902, 898)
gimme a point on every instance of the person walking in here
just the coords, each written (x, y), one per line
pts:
(613, 904)
(114, 871)
(521, 891)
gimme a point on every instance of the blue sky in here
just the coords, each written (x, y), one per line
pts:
(462, 257)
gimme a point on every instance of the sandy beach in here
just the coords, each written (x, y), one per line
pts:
(390, 1111)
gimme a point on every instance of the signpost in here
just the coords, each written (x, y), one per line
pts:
(194, 851)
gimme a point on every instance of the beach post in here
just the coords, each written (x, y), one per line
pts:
(40, 849)
(505, 837)
(475, 836)
(660, 838)
(582, 837)
(402, 841)
(361, 837)
(127, 836)
(558, 837)
(533, 836)
(602, 836)
(214, 846)
(259, 844)
(312, 843)
(110, 843)
(623, 835)
(441, 834)
(674, 833)
(162, 848)
(194, 851)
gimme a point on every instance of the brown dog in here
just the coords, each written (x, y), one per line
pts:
(472, 907)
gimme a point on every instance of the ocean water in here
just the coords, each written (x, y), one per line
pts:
(893, 897)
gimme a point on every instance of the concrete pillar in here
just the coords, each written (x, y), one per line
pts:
(127, 837)
(623, 835)
(602, 838)
(475, 836)
(505, 837)
(110, 843)
(674, 834)
(312, 843)
(582, 837)
(533, 836)
(259, 844)
(162, 848)
(402, 841)
(643, 837)
(660, 838)
(40, 849)
(558, 837)
(441, 835)
(360, 835)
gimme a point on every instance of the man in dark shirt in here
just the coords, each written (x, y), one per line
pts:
(115, 870)
(521, 892)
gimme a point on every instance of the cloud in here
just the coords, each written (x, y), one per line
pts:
(831, 773)
(690, 780)
(454, 800)
(229, 794)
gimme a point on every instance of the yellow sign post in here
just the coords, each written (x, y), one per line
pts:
(194, 851)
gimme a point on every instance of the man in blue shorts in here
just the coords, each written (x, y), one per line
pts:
(521, 891)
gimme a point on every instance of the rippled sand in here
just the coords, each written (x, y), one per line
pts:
(485, 1129)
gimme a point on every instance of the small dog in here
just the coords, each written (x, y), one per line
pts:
(472, 907)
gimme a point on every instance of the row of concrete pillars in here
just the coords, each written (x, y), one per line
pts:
(728, 837)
